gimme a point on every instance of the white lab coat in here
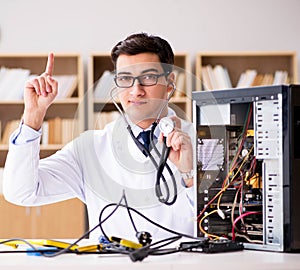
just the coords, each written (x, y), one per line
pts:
(98, 167)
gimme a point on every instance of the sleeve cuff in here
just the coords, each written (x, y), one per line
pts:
(24, 134)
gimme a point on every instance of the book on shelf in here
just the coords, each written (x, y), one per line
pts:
(104, 85)
(267, 79)
(258, 80)
(180, 83)
(253, 78)
(247, 78)
(212, 77)
(67, 85)
(216, 77)
(103, 118)
(54, 129)
(12, 82)
(206, 82)
(222, 77)
(280, 77)
(1, 179)
(45, 133)
(58, 130)
(9, 128)
(68, 130)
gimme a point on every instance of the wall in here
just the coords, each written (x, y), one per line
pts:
(189, 25)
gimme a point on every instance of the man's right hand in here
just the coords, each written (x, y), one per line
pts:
(39, 94)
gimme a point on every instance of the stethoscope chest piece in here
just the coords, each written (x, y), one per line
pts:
(166, 125)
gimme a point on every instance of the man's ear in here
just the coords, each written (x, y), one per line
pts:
(171, 81)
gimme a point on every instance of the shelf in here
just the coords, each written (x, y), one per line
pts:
(66, 219)
(174, 100)
(66, 108)
(101, 62)
(69, 108)
(236, 63)
(73, 100)
(60, 220)
(4, 147)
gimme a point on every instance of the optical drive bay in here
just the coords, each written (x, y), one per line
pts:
(248, 165)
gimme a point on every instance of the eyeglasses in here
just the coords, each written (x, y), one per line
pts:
(126, 81)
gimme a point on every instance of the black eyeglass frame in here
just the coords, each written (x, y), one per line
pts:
(139, 79)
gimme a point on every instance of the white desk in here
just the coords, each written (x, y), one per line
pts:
(240, 260)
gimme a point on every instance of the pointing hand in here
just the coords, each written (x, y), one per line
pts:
(39, 94)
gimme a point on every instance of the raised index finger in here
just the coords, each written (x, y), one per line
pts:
(50, 64)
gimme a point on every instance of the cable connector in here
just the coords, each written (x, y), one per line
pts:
(144, 238)
(211, 246)
(221, 213)
(139, 254)
(125, 243)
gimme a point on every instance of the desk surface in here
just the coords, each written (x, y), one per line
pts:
(239, 260)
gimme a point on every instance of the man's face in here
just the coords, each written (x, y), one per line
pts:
(142, 103)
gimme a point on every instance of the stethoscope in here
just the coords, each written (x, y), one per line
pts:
(166, 126)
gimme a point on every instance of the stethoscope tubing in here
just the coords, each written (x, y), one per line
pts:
(163, 155)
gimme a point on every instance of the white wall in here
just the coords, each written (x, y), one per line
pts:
(189, 25)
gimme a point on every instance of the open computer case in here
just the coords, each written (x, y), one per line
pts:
(248, 165)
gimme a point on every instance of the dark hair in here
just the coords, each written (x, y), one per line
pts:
(141, 43)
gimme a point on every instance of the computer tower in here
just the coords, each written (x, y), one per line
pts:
(248, 165)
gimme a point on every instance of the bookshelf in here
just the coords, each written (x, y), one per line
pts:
(60, 220)
(236, 63)
(70, 107)
(100, 64)
(67, 106)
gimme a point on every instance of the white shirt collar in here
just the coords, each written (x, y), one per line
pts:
(137, 130)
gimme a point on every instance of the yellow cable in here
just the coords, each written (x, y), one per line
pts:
(238, 170)
(201, 228)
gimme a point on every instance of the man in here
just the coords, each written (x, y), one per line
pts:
(100, 166)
